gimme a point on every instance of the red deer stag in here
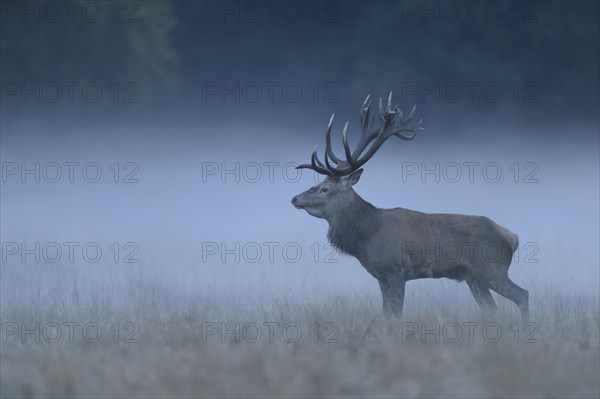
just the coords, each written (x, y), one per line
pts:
(398, 245)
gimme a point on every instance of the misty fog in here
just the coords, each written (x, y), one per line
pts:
(212, 209)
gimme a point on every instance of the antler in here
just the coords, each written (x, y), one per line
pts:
(391, 123)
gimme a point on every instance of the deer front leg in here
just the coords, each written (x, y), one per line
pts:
(392, 290)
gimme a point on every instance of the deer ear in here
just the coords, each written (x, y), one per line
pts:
(353, 178)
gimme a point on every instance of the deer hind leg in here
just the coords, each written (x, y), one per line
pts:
(518, 295)
(392, 290)
(483, 296)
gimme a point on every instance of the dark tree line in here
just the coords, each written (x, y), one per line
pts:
(171, 46)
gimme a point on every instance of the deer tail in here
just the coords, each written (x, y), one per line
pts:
(512, 238)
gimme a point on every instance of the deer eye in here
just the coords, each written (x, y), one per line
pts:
(324, 189)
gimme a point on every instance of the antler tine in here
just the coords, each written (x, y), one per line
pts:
(314, 160)
(364, 113)
(328, 150)
(366, 121)
(412, 113)
(327, 164)
(346, 146)
(315, 165)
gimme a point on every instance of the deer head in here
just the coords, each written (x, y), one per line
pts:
(335, 192)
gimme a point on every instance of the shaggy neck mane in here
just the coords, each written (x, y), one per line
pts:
(351, 228)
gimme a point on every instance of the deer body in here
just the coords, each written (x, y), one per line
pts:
(384, 239)
(398, 245)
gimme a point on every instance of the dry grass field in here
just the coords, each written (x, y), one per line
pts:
(320, 342)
